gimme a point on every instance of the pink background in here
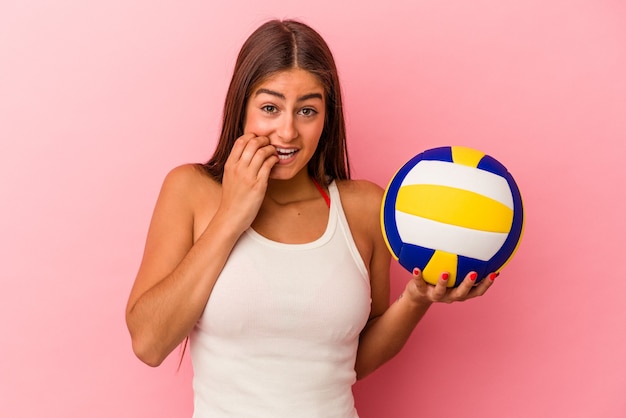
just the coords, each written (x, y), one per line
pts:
(98, 100)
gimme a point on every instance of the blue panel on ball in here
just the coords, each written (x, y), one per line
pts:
(389, 206)
(504, 253)
(412, 256)
(492, 165)
(391, 229)
(465, 265)
(439, 154)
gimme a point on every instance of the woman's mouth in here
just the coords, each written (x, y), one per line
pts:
(284, 153)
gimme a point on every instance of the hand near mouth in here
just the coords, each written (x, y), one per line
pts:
(246, 175)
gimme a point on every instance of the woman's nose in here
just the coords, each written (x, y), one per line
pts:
(286, 129)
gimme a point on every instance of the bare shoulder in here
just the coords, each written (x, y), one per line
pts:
(191, 183)
(361, 200)
(190, 191)
(173, 224)
(189, 176)
(360, 195)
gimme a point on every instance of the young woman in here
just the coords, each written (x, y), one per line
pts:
(269, 257)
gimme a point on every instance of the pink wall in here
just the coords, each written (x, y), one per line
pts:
(98, 100)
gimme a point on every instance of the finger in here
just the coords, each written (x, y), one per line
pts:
(240, 145)
(266, 166)
(484, 285)
(439, 292)
(261, 157)
(419, 281)
(462, 291)
(417, 273)
(253, 145)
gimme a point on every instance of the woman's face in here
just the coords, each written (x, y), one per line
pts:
(289, 108)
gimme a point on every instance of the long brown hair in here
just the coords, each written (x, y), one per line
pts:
(277, 46)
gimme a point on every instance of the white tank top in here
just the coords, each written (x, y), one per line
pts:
(279, 334)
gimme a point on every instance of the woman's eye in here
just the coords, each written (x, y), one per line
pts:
(269, 109)
(308, 111)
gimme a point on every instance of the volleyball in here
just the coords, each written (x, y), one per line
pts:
(452, 209)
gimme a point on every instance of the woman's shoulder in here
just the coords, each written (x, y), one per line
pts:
(190, 183)
(360, 190)
(188, 174)
(361, 196)
(189, 177)
(361, 201)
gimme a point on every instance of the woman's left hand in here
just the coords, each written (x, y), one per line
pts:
(422, 292)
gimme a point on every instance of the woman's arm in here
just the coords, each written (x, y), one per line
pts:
(390, 327)
(177, 275)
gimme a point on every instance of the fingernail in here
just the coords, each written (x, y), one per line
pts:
(473, 276)
(493, 276)
(416, 271)
(444, 276)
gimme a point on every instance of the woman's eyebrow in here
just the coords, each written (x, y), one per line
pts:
(310, 96)
(282, 96)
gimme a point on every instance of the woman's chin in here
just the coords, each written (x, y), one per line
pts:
(284, 173)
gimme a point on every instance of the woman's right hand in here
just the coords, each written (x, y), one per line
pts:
(245, 179)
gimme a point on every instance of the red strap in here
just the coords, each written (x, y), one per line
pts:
(322, 191)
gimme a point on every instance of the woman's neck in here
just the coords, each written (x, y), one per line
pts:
(296, 189)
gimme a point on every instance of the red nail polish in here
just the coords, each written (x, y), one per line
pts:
(473, 276)
(416, 271)
(493, 276)
(444, 276)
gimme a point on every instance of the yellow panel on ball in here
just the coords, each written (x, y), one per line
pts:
(441, 261)
(455, 207)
